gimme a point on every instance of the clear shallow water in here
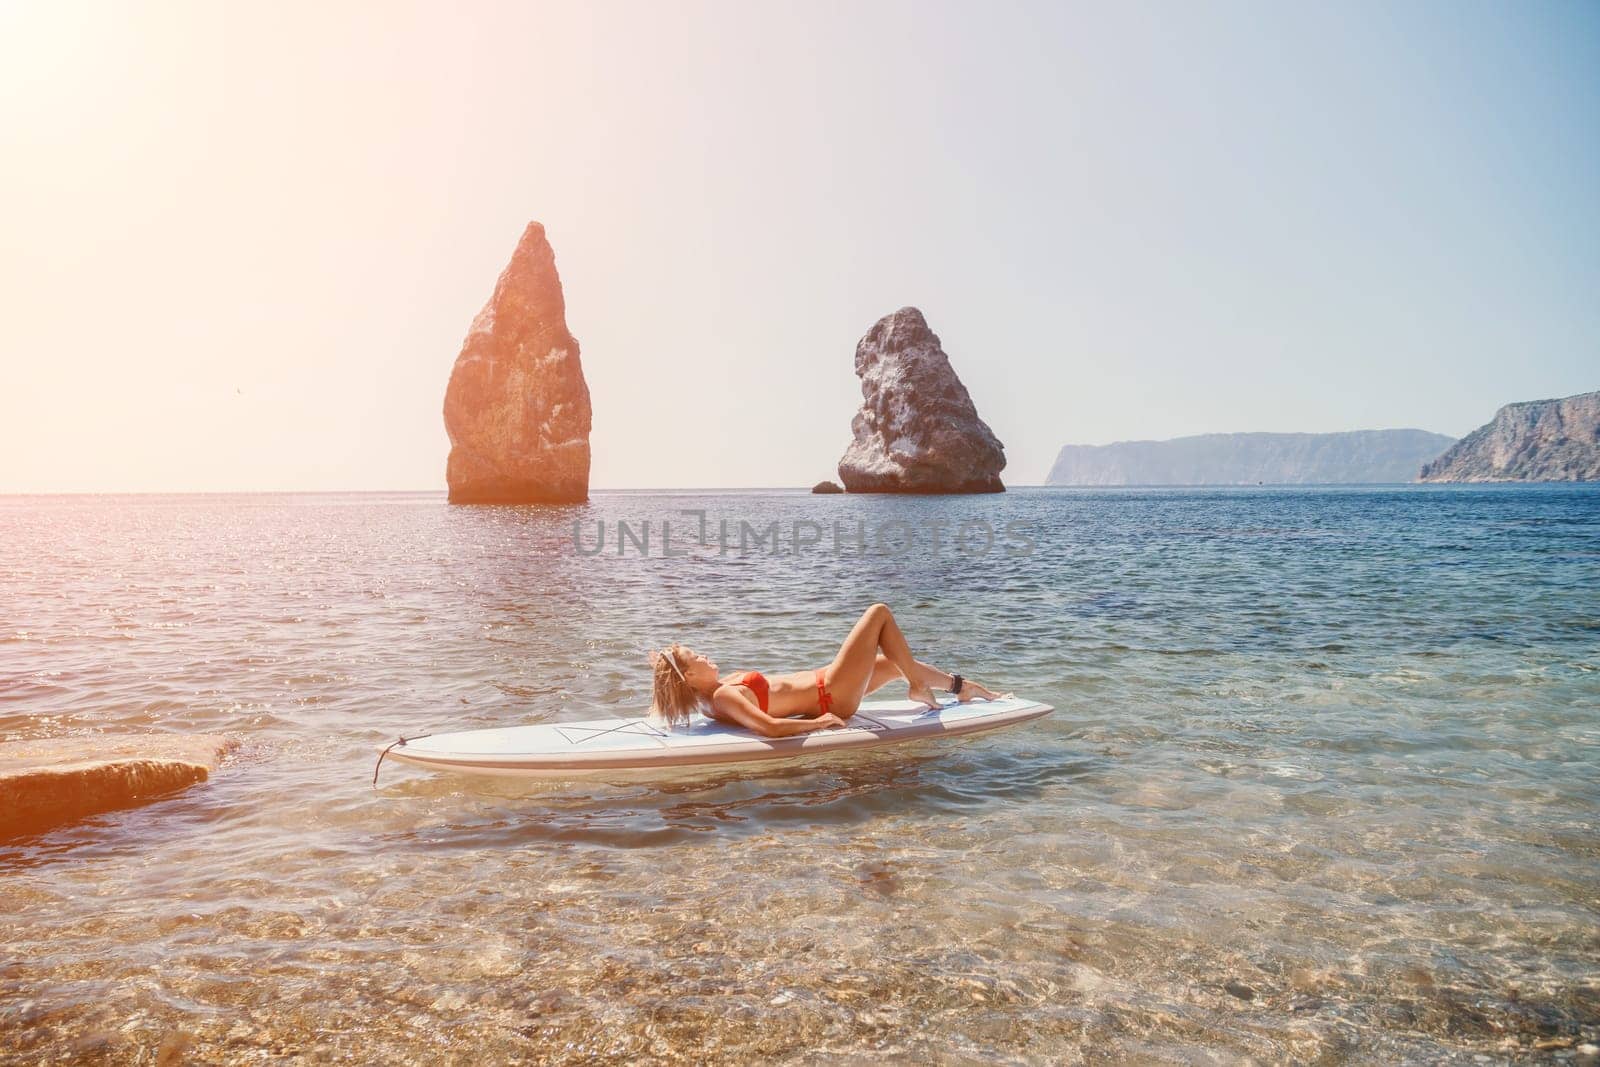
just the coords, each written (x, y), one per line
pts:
(1321, 784)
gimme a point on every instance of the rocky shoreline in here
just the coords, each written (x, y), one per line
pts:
(1533, 441)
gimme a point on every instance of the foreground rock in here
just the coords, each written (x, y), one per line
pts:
(1356, 457)
(44, 784)
(1535, 441)
(517, 406)
(826, 486)
(917, 430)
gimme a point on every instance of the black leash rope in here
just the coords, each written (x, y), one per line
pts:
(385, 752)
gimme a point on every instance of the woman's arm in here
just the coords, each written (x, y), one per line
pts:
(734, 705)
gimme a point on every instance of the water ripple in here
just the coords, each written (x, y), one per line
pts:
(1320, 784)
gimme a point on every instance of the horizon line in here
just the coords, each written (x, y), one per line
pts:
(597, 489)
(14, 495)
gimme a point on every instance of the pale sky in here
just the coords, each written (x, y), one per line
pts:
(241, 244)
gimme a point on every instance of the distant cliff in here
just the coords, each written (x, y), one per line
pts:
(1535, 441)
(1248, 458)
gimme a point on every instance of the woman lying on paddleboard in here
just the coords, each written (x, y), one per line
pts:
(873, 654)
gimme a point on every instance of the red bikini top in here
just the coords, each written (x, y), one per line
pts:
(757, 682)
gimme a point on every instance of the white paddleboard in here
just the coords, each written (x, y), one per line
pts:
(567, 748)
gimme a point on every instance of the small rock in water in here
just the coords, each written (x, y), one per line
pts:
(1239, 989)
(96, 1044)
(826, 486)
(781, 999)
(49, 782)
(1589, 1049)
(1306, 1002)
(172, 1049)
(451, 1001)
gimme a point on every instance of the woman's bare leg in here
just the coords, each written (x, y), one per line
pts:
(852, 669)
(884, 672)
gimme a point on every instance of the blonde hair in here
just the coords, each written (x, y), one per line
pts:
(673, 698)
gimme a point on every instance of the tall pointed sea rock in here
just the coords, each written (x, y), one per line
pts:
(917, 430)
(517, 406)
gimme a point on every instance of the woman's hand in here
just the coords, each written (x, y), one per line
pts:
(826, 720)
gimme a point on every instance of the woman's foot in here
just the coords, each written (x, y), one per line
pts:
(924, 696)
(971, 690)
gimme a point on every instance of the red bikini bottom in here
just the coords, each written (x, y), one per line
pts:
(824, 698)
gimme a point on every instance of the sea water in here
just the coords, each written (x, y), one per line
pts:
(1322, 780)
